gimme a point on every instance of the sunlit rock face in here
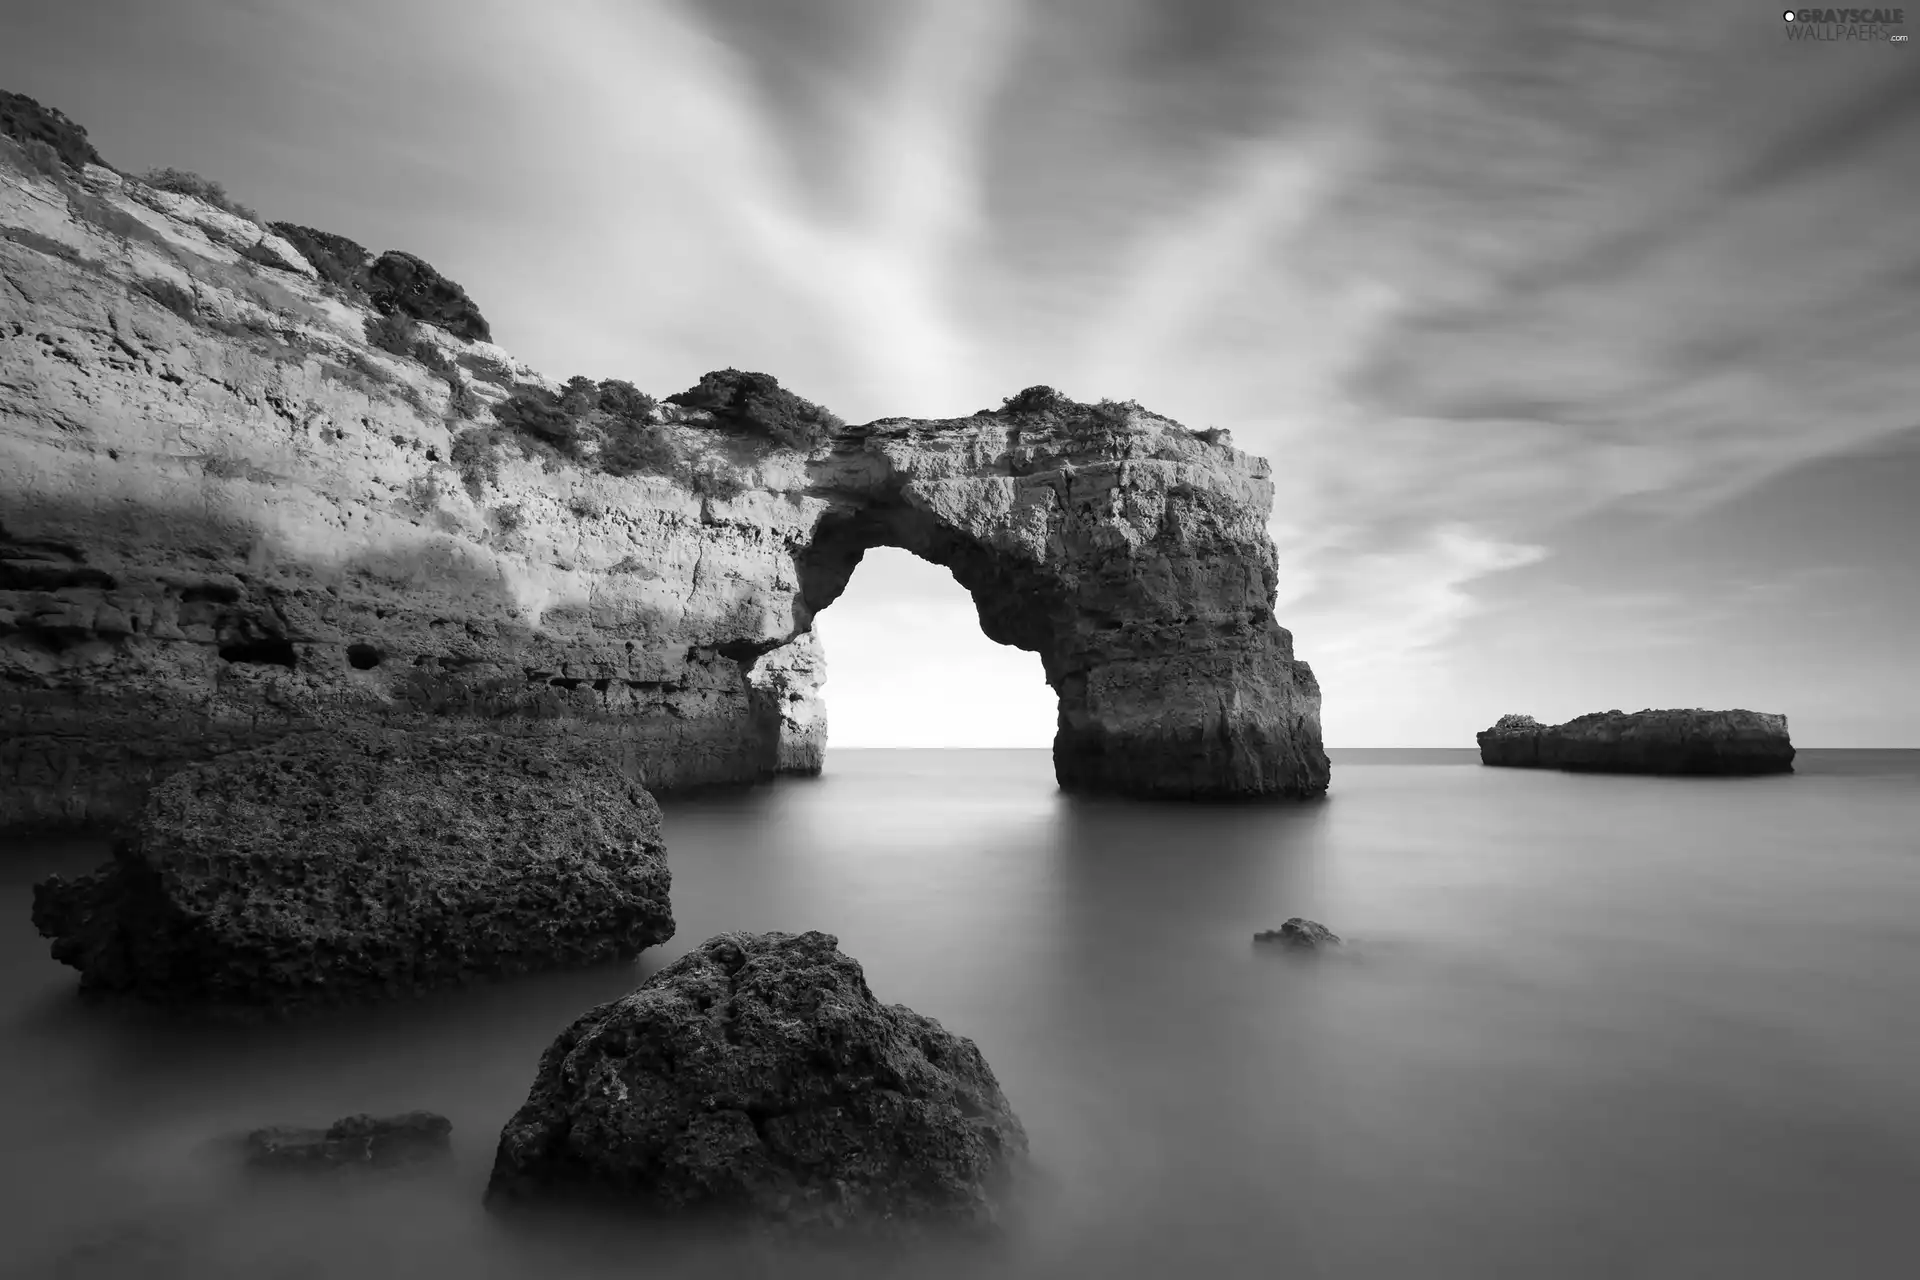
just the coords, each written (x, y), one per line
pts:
(226, 515)
(1669, 742)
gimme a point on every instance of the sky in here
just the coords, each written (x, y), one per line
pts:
(1584, 341)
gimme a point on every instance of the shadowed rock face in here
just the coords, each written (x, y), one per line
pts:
(225, 518)
(758, 1077)
(343, 867)
(1669, 742)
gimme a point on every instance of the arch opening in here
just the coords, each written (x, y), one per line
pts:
(910, 666)
(1015, 605)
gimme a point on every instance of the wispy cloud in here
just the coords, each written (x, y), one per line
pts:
(1472, 274)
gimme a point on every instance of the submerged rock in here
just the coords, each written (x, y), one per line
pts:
(1300, 934)
(1668, 742)
(334, 867)
(758, 1076)
(360, 1140)
(116, 1250)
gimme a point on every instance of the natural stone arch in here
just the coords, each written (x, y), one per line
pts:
(333, 552)
(1129, 553)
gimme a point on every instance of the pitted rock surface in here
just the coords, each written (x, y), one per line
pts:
(343, 867)
(226, 518)
(1692, 742)
(758, 1076)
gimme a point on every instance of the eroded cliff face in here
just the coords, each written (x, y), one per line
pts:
(224, 516)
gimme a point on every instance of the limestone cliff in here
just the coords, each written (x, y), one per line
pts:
(1671, 742)
(237, 501)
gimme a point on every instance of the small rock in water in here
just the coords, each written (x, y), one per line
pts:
(1300, 934)
(377, 1141)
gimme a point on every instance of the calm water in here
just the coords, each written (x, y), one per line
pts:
(1588, 1026)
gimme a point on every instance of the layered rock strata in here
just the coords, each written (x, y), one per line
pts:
(757, 1076)
(1669, 742)
(335, 867)
(227, 515)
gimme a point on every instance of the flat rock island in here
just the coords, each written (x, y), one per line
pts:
(1688, 742)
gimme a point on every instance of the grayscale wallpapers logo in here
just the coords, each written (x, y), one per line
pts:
(1846, 24)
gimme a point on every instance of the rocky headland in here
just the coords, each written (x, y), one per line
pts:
(257, 480)
(339, 867)
(758, 1078)
(1667, 742)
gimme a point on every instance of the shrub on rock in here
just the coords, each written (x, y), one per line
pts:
(397, 281)
(462, 402)
(340, 261)
(1038, 399)
(187, 183)
(473, 456)
(758, 1076)
(535, 413)
(757, 403)
(27, 121)
(628, 450)
(579, 397)
(398, 335)
(626, 403)
(393, 334)
(349, 865)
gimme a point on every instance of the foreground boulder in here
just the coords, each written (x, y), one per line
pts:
(1673, 742)
(355, 1142)
(1300, 935)
(758, 1076)
(334, 867)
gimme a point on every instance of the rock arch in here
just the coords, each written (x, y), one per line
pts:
(1129, 553)
(242, 542)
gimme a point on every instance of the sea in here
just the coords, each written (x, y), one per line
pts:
(1580, 1026)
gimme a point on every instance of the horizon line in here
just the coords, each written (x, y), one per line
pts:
(1449, 746)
